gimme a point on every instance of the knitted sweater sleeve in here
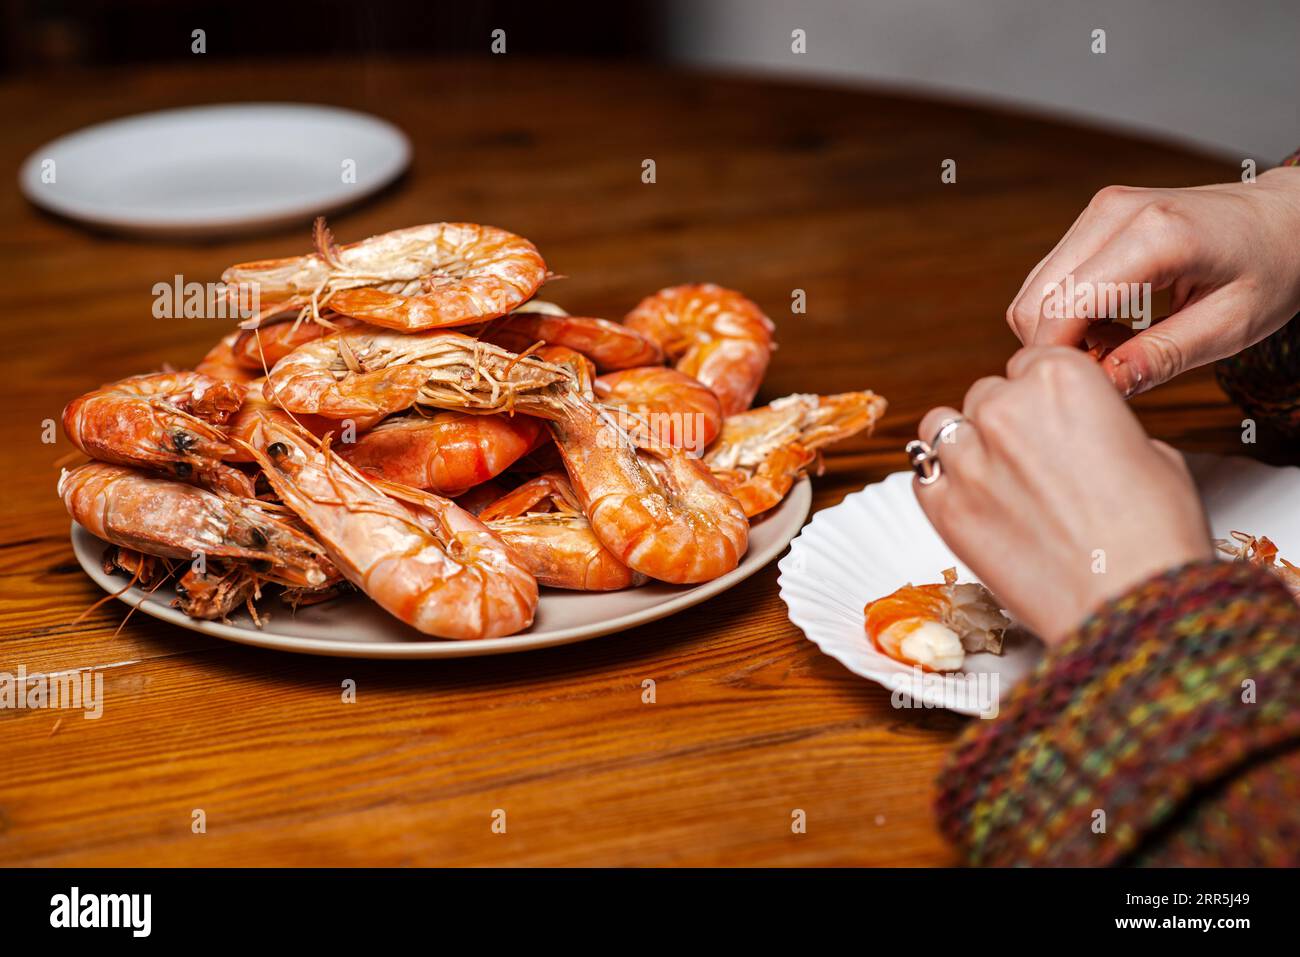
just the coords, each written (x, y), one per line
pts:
(1166, 730)
(1265, 379)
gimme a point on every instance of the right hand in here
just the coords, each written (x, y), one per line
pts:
(1230, 253)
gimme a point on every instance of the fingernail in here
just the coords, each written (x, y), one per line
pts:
(1126, 378)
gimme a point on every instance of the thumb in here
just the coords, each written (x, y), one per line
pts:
(1190, 338)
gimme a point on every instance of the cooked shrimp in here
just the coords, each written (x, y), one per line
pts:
(215, 592)
(561, 551)
(365, 372)
(220, 362)
(257, 350)
(935, 626)
(209, 594)
(476, 499)
(167, 421)
(424, 560)
(712, 334)
(674, 408)
(558, 546)
(610, 345)
(1263, 553)
(441, 274)
(659, 512)
(549, 491)
(446, 453)
(158, 516)
(240, 430)
(761, 452)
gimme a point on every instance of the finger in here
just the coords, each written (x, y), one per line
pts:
(1105, 215)
(934, 420)
(960, 450)
(1018, 316)
(1019, 365)
(1116, 282)
(980, 391)
(1187, 339)
(957, 442)
(1103, 338)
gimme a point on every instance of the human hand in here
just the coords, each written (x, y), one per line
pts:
(1228, 253)
(1054, 496)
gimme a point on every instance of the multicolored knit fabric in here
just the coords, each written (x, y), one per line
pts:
(1265, 379)
(1166, 730)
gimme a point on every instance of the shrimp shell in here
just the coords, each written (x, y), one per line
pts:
(257, 350)
(559, 547)
(761, 452)
(446, 453)
(221, 363)
(934, 626)
(423, 559)
(657, 509)
(671, 406)
(712, 334)
(610, 345)
(422, 277)
(365, 372)
(167, 421)
(158, 516)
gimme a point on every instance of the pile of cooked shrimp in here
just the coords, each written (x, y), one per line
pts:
(403, 417)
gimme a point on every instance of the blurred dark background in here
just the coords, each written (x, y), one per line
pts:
(40, 35)
(1217, 74)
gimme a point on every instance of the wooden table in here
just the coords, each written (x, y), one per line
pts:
(767, 187)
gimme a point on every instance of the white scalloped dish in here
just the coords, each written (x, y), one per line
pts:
(878, 539)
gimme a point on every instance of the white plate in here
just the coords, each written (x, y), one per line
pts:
(357, 628)
(215, 169)
(878, 540)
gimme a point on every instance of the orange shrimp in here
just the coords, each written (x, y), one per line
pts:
(212, 593)
(934, 626)
(674, 408)
(240, 429)
(761, 452)
(168, 421)
(170, 519)
(423, 559)
(446, 453)
(365, 372)
(712, 334)
(423, 277)
(476, 499)
(610, 345)
(1261, 552)
(557, 544)
(220, 362)
(257, 350)
(659, 511)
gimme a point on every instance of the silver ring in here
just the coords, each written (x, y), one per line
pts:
(924, 456)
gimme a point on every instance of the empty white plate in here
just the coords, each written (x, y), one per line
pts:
(878, 539)
(212, 170)
(357, 628)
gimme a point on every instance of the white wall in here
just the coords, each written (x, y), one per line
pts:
(1221, 74)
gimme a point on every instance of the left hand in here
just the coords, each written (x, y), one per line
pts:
(1054, 496)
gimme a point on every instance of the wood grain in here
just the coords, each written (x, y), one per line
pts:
(763, 186)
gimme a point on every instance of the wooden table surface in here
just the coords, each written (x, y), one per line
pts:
(763, 186)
